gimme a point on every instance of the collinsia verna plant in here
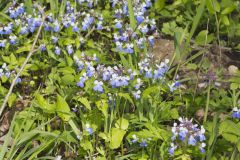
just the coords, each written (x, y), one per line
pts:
(187, 134)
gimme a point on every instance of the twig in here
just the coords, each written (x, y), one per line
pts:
(24, 63)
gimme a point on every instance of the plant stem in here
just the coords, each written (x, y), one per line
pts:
(207, 103)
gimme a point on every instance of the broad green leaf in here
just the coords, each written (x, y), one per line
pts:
(147, 92)
(230, 137)
(68, 79)
(159, 4)
(228, 9)
(25, 48)
(28, 4)
(122, 124)
(11, 100)
(213, 6)
(85, 102)
(126, 96)
(63, 109)
(102, 105)
(228, 126)
(174, 113)
(87, 145)
(203, 38)
(44, 105)
(225, 20)
(116, 137)
(234, 86)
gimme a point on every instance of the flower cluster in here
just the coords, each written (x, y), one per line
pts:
(126, 37)
(6, 73)
(236, 113)
(187, 133)
(24, 24)
(118, 76)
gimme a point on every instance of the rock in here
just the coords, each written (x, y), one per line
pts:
(232, 69)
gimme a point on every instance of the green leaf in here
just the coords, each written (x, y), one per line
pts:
(42, 103)
(131, 15)
(102, 105)
(174, 113)
(122, 124)
(225, 20)
(147, 92)
(203, 38)
(228, 126)
(126, 96)
(230, 137)
(85, 102)
(87, 145)
(213, 6)
(228, 9)
(116, 137)
(68, 79)
(159, 4)
(63, 109)
(28, 4)
(62, 7)
(11, 100)
(234, 86)
(25, 48)
(124, 61)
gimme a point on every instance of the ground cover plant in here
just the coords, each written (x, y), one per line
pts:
(120, 79)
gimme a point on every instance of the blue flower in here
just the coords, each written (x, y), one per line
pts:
(137, 95)
(135, 139)
(57, 50)
(99, 25)
(75, 28)
(13, 40)
(56, 26)
(172, 149)
(144, 29)
(24, 30)
(139, 18)
(98, 86)
(82, 81)
(129, 48)
(174, 86)
(182, 135)
(89, 129)
(236, 113)
(148, 73)
(202, 146)
(151, 40)
(54, 39)
(139, 83)
(87, 22)
(2, 43)
(118, 24)
(192, 141)
(143, 143)
(69, 49)
(43, 47)
(19, 80)
(90, 71)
